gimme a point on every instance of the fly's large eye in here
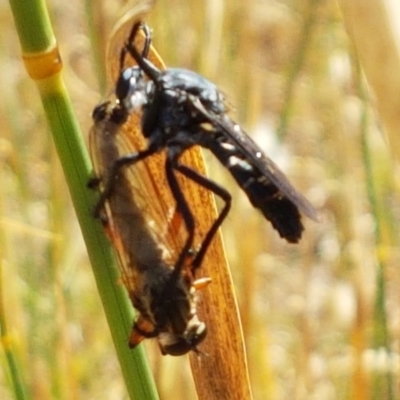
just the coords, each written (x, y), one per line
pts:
(130, 89)
(197, 334)
(174, 345)
(100, 112)
(126, 83)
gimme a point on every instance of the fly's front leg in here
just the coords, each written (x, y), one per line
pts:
(131, 40)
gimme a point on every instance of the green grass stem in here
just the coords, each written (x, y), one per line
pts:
(295, 69)
(36, 37)
(382, 382)
(11, 359)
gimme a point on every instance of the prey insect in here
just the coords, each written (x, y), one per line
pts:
(144, 235)
(181, 109)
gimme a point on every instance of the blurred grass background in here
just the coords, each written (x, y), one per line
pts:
(321, 319)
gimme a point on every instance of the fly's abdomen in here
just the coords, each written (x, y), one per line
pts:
(260, 190)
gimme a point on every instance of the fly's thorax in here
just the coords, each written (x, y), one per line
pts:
(170, 107)
(107, 118)
(183, 81)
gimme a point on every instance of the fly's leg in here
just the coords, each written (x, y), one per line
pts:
(129, 43)
(183, 209)
(218, 191)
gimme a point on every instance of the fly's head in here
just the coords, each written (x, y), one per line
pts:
(186, 331)
(131, 89)
(172, 319)
(177, 345)
(109, 113)
(167, 302)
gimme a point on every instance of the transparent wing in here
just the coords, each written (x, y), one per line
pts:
(252, 153)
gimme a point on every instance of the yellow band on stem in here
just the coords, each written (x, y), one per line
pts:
(43, 65)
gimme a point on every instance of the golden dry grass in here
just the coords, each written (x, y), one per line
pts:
(320, 318)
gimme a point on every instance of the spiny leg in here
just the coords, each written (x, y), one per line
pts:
(129, 43)
(183, 209)
(148, 68)
(218, 191)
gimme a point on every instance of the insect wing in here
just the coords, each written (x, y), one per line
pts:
(252, 152)
(104, 151)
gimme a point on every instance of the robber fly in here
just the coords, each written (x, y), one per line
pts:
(143, 234)
(181, 109)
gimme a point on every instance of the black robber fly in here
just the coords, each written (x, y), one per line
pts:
(145, 234)
(181, 109)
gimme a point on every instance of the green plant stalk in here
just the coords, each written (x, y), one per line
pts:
(36, 37)
(298, 60)
(18, 383)
(95, 38)
(13, 369)
(380, 331)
